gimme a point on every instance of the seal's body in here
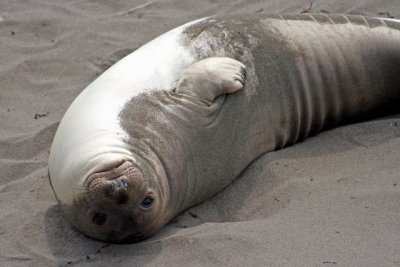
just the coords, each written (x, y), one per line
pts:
(177, 120)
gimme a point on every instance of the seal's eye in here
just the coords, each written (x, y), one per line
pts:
(99, 218)
(147, 202)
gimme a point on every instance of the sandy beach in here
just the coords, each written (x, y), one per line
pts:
(332, 200)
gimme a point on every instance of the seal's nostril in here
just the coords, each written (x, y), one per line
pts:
(119, 185)
(124, 184)
(122, 199)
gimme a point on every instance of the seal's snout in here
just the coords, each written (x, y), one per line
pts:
(119, 191)
(120, 185)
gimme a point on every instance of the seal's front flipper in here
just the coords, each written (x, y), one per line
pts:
(209, 78)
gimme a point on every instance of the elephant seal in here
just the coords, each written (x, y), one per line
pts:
(176, 121)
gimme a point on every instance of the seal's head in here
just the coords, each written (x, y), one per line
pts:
(119, 204)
